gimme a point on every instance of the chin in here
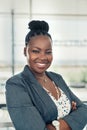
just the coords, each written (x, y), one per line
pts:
(40, 71)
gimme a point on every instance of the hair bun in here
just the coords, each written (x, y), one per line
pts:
(38, 26)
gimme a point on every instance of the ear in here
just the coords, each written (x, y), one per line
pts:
(25, 51)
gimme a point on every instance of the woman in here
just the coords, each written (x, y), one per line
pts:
(38, 99)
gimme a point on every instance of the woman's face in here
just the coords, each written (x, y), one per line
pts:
(39, 53)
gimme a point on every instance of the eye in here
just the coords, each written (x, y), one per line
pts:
(49, 52)
(35, 51)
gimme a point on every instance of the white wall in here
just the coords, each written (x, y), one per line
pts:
(59, 6)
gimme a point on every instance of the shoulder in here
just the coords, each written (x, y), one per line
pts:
(15, 78)
(59, 80)
(15, 81)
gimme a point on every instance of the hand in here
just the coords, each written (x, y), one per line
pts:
(50, 127)
(64, 125)
(73, 105)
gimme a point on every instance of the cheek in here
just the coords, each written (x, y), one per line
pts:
(31, 58)
(51, 58)
(28, 54)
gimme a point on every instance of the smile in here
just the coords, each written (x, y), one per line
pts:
(41, 64)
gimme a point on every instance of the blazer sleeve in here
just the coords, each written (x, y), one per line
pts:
(77, 119)
(23, 113)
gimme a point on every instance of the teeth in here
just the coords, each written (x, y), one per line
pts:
(41, 64)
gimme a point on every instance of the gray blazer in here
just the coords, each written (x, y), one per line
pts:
(31, 108)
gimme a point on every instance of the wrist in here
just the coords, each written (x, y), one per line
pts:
(56, 124)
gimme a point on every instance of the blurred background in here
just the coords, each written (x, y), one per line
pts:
(68, 26)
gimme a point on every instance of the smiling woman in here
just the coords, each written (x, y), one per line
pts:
(39, 53)
(38, 99)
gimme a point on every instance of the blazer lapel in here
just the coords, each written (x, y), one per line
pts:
(39, 96)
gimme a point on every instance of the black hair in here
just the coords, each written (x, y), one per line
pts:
(37, 27)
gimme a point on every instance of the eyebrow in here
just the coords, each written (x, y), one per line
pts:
(40, 48)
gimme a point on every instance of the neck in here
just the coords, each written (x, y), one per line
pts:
(41, 77)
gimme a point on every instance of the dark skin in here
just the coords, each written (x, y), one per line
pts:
(39, 58)
(39, 54)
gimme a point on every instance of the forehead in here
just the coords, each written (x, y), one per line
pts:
(40, 40)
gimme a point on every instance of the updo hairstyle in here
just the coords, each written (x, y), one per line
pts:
(37, 28)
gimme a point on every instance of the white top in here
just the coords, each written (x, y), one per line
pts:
(63, 104)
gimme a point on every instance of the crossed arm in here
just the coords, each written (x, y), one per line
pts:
(63, 124)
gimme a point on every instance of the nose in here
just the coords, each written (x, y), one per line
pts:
(43, 56)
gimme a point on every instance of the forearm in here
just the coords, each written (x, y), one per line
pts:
(64, 125)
